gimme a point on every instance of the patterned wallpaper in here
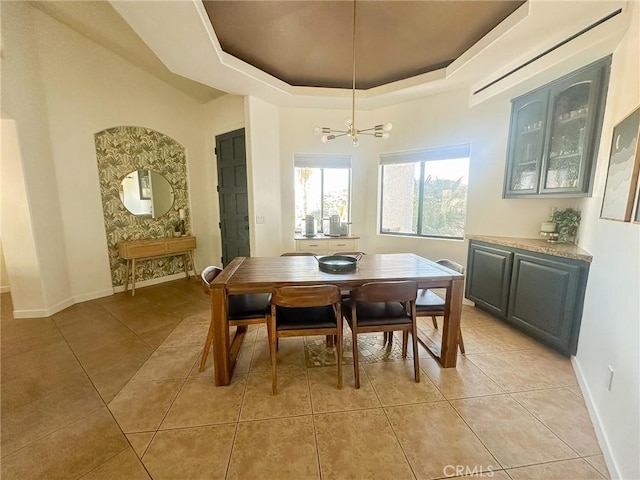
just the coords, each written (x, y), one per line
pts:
(121, 150)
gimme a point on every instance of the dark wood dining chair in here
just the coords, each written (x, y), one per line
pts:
(428, 304)
(303, 311)
(383, 307)
(242, 310)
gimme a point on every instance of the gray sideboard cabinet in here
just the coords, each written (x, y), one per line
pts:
(538, 293)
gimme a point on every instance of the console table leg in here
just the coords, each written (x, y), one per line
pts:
(133, 277)
(193, 263)
(186, 265)
(126, 276)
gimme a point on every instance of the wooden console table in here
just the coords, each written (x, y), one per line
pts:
(156, 248)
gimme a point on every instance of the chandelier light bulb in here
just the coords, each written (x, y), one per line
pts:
(348, 121)
(317, 130)
(356, 142)
(385, 135)
(324, 139)
(387, 128)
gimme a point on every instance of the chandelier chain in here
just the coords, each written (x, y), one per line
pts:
(378, 131)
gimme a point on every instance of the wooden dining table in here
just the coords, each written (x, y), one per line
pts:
(265, 274)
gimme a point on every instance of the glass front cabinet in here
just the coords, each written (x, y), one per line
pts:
(554, 135)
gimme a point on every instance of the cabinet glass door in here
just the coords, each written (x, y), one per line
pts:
(568, 144)
(526, 147)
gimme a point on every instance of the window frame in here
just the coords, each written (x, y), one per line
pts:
(323, 162)
(421, 157)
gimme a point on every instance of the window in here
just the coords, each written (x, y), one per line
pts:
(424, 192)
(322, 187)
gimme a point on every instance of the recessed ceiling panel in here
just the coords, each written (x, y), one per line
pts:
(309, 43)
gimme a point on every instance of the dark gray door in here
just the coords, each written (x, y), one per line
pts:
(232, 193)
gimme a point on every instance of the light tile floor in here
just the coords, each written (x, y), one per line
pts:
(110, 389)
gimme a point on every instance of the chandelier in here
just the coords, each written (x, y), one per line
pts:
(378, 131)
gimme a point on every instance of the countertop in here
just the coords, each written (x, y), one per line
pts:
(299, 236)
(539, 245)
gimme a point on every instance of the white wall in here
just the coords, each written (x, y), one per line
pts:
(23, 101)
(263, 177)
(610, 331)
(17, 233)
(88, 89)
(4, 275)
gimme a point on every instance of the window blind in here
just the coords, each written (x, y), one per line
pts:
(426, 154)
(303, 160)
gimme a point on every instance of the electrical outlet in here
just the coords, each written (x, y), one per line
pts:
(610, 385)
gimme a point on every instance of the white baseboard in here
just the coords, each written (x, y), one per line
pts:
(43, 312)
(152, 281)
(5, 289)
(603, 439)
(93, 295)
(47, 312)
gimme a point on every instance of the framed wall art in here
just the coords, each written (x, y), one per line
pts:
(622, 175)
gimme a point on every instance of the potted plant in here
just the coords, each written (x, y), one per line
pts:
(567, 221)
(177, 228)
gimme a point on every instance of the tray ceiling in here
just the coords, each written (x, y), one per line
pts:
(309, 43)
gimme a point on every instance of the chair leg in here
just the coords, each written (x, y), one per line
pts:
(416, 362)
(460, 341)
(339, 352)
(273, 352)
(405, 339)
(356, 368)
(207, 345)
(435, 322)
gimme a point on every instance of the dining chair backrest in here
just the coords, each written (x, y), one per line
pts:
(306, 296)
(304, 311)
(298, 254)
(208, 275)
(401, 291)
(432, 305)
(450, 264)
(242, 310)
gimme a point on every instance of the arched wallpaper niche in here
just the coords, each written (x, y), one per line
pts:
(119, 151)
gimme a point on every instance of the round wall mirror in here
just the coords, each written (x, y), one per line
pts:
(146, 193)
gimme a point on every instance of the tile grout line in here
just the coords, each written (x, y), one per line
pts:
(544, 424)
(164, 417)
(77, 419)
(502, 467)
(237, 422)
